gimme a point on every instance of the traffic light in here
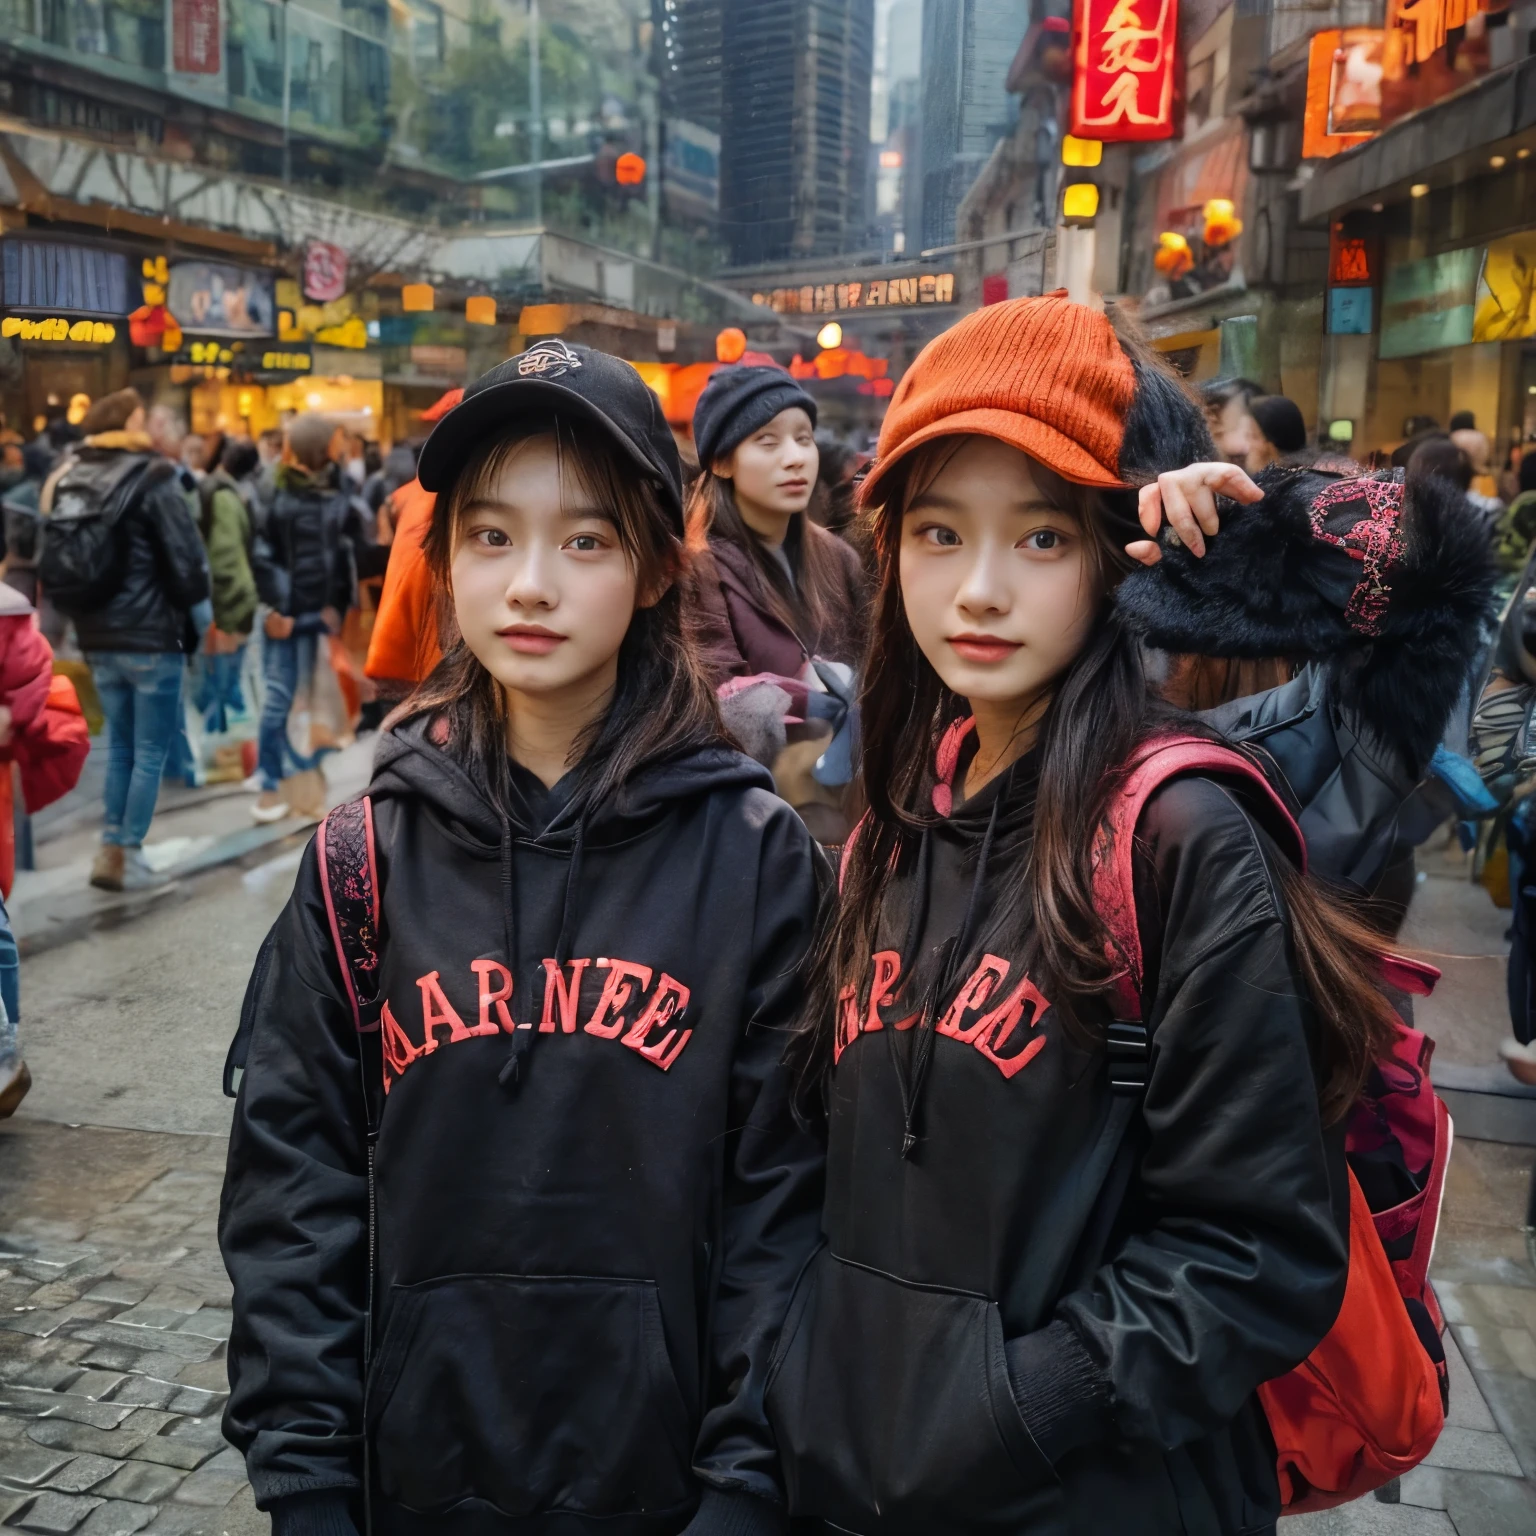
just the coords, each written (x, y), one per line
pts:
(1080, 197)
(1079, 204)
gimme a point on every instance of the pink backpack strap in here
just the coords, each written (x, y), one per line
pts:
(1153, 765)
(349, 878)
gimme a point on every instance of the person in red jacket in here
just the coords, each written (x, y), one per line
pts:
(42, 732)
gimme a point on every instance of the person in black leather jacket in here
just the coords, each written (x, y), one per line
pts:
(137, 641)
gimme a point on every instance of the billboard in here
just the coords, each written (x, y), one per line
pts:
(212, 299)
(1123, 60)
(1428, 304)
(691, 170)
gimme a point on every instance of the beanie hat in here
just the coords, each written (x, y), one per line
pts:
(1044, 375)
(737, 401)
(1280, 420)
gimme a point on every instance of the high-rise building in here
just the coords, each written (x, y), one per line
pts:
(688, 42)
(968, 46)
(794, 127)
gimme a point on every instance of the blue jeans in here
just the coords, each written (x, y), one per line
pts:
(141, 698)
(220, 694)
(287, 666)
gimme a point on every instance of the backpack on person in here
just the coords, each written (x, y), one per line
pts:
(1369, 1402)
(79, 564)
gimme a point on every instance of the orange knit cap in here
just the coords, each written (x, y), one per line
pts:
(1044, 375)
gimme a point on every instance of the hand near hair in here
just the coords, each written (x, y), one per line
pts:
(1187, 497)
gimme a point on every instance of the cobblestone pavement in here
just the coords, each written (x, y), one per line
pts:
(114, 1309)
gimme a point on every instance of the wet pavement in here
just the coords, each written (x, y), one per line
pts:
(114, 1306)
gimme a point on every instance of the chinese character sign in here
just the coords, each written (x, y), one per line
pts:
(1122, 77)
(325, 271)
(195, 41)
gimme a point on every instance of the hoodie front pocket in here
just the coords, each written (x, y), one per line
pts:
(892, 1411)
(531, 1393)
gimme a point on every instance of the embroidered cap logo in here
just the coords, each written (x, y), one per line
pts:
(1363, 517)
(547, 360)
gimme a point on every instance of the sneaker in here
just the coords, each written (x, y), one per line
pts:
(138, 874)
(254, 784)
(107, 870)
(15, 1080)
(1521, 1060)
(270, 806)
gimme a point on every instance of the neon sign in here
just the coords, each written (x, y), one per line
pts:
(1122, 76)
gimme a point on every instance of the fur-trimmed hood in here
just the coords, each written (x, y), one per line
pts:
(1390, 584)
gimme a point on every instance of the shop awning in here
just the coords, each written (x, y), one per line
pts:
(1497, 106)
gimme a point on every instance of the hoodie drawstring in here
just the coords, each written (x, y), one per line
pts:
(952, 954)
(511, 1075)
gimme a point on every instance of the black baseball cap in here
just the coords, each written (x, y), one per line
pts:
(560, 376)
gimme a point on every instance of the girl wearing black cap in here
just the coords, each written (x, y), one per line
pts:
(515, 1200)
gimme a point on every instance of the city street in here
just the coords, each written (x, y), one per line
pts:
(114, 1303)
(113, 1300)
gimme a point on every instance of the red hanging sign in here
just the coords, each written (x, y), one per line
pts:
(1122, 73)
(195, 37)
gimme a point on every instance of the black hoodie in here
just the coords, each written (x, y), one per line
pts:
(583, 1254)
(1052, 1314)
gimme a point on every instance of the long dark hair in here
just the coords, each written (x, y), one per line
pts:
(1102, 708)
(812, 607)
(662, 704)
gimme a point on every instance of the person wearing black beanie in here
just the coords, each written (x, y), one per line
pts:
(737, 401)
(771, 589)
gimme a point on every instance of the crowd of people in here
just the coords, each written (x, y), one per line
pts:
(605, 1155)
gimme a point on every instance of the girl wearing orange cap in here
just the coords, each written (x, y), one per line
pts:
(1060, 1260)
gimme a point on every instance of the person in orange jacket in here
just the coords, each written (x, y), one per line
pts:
(403, 649)
(43, 732)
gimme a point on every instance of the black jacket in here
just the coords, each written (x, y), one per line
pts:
(164, 568)
(583, 1261)
(305, 550)
(1042, 1321)
(1046, 1319)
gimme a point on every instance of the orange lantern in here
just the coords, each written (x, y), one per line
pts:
(731, 344)
(480, 309)
(1174, 259)
(1222, 225)
(416, 297)
(629, 169)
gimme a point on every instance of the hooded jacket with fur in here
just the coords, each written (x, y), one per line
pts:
(593, 1201)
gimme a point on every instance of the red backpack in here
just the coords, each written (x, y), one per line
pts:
(1369, 1402)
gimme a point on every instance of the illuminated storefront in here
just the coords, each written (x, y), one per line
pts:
(63, 331)
(1424, 141)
